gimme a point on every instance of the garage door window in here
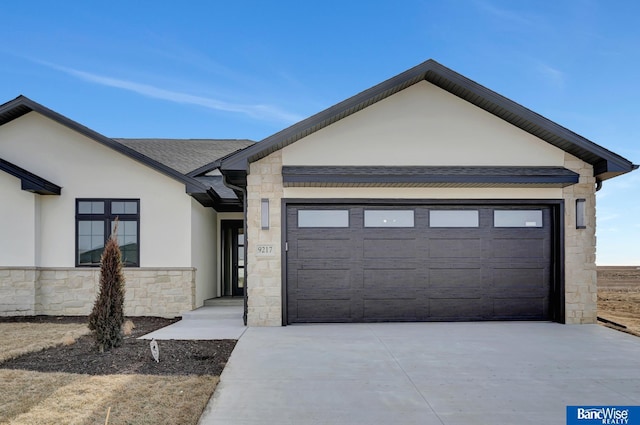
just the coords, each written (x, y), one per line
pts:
(323, 218)
(454, 218)
(517, 218)
(388, 218)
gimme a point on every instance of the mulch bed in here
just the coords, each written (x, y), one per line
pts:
(177, 357)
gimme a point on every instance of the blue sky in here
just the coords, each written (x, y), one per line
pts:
(246, 69)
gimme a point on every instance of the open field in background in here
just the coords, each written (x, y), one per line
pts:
(619, 295)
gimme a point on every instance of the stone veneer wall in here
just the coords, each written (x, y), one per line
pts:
(264, 273)
(165, 292)
(17, 291)
(581, 285)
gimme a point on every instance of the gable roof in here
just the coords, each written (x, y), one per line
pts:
(186, 155)
(22, 105)
(606, 163)
(29, 181)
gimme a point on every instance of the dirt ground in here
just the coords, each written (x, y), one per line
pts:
(133, 357)
(55, 375)
(619, 296)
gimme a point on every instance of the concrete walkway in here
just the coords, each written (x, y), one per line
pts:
(424, 373)
(219, 322)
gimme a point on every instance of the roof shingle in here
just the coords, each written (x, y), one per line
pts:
(185, 155)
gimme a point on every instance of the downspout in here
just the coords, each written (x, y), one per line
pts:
(246, 242)
(598, 184)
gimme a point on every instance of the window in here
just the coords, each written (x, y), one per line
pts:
(388, 218)
(323, 218)
(517, 218)
(95, 220)
(454, 218)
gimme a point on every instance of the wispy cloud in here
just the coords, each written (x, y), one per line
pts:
(551, 74)
(259, 111)
(507, 16)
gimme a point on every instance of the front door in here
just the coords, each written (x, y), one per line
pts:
(233, 257)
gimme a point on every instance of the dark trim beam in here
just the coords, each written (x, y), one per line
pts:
(354, 176)
(30, 182)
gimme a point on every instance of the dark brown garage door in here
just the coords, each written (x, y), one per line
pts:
(418, 263)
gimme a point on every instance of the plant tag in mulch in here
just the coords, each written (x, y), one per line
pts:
(155, 351)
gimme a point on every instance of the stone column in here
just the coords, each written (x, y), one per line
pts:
(264, 272)
(581, 289)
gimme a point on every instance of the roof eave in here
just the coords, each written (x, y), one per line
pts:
(235, 177)
(22, 105)
(210, 199)
(224, 205)
(608, 169)
(46, 189)
(459, 86)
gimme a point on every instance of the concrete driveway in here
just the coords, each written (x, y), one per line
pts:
(424, 373)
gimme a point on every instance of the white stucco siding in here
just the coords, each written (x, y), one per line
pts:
(422, 125)
(203, 239)
(18, 216)
(86, 169)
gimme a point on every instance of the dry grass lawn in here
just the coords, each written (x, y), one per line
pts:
(21, 338)
(37, 398)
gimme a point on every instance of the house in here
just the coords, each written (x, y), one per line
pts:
(62, 185)
(427, 197)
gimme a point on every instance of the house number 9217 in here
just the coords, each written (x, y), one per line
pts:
(265, 250)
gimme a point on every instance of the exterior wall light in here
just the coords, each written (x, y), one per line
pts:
(581, 214)
(264, 214)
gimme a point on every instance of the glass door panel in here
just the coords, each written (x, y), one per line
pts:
(239, 287)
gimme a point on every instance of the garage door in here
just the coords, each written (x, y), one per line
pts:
(418, 263)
